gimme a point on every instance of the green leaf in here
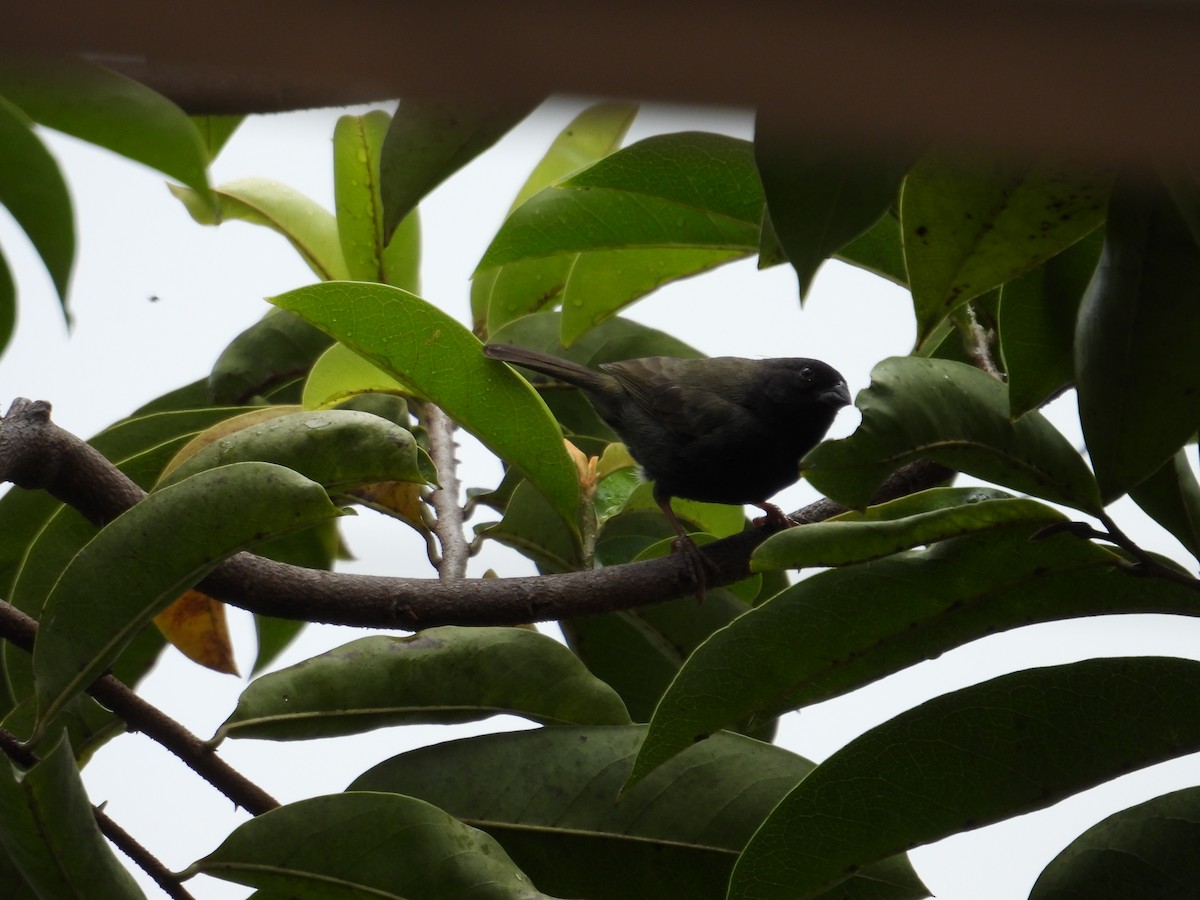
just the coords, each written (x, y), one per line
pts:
(503, 294)
(309, 227)
(366, 845)
(340, 374)
(1147, 851)
(1011, 745)
(845, 628)
(956, 415)
(530, 527)
(440, 675)
(356, 145)
(340, 449)
(969, 228)
(427, 142)
(899, 525)
(681, 191)
(275, 349)
(440, 360)
(1139, 391)
(128, 573)
(820, 199)
(99, 106)
(880, 249)
(1037, 324)
(1171, 497)
(33, 190)
(48, 830)
(215, 131)
(549, 797)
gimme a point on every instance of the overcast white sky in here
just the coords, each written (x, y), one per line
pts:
(136, 242)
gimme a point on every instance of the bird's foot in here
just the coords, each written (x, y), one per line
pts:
(775, 519)
(698, 564)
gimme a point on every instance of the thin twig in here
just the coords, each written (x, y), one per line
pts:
(450, 523)
(1149, 565)
(146, 860)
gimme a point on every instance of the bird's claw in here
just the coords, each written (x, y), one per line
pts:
(775, 519)
(698, 564)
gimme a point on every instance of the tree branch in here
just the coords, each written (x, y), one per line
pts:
(20, 631)
(35, 453)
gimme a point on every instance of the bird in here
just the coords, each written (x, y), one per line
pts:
(719, 429)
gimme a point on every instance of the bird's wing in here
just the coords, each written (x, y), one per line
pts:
(669, 390)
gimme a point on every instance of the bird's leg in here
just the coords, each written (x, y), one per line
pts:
(775, 517)
(697, 561)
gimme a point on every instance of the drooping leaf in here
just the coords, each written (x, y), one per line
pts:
(275, 350)
(820, 199)
(439, 675)
(215, 131)
(1147, 851)
(8, 304)
(880, 249)
(309, 227)
(1139, 392)
(550, 798)
(34, 192)
(48, 830)
(530, 527)
(1008, 746)
(195, 624)
(954, 414)
(678, 191)
(102, 107)
(361, 844)
(1037, 324)
(502, 294)
(356, 145)
(842, 629)
(428, 141)
(440, 360)
(900, 525)
(969, 228)
(128, 573)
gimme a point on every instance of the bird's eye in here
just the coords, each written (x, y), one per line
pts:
(807, 373)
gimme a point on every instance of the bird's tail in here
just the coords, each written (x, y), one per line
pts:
(555, 367)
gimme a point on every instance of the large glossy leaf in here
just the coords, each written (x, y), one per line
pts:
(338, 448)
(678, 191)
(1008, 746)
(502, 294)
(530, 527)
(841, 629)
(1147, 851)
(8, 304)
(954, 414)
(429, 141)
(216, 130)
(128, 572)
(1135, 342)
(971, 227)
(366, 845)
(440, 360)
(550, 797)
(48, 830)
(880, 249)
(913, 521)
(1037, 324)
(99, 106)
(356, 144)
(33, 190)
(440, 675)
(820, 199)
(309, 227)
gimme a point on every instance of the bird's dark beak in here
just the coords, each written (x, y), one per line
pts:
(836, 396)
